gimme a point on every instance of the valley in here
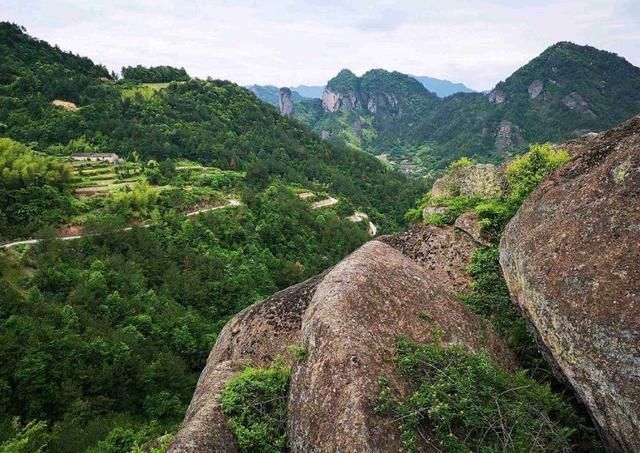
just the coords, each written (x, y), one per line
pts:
(385, 263)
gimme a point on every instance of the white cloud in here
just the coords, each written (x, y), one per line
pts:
(284, 42)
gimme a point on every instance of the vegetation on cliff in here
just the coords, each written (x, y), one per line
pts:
(463, 401)
(156, 74)
(529, 412)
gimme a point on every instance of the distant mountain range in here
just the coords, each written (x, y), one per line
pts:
(565, 92)
(440, 87)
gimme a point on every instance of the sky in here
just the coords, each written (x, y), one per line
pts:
(287, 43)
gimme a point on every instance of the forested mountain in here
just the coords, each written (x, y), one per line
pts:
(213, 122)
(563, 93)
(102, 338)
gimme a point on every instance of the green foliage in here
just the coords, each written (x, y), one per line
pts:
(30, 438)
(136, 200)
(453, 208)
(156, 74)
(300, 353)
(256, 403)
(33, 190)
(463, 401)
(463, 162)
(112, 331)
(527, 171)
(21, 167)
(490, 299)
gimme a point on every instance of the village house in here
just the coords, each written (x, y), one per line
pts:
(94, 157)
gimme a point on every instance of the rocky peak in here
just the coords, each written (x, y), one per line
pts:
(285, 101)
(342, 93)
(497, 96)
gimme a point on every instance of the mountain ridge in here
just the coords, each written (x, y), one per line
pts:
(564, 92)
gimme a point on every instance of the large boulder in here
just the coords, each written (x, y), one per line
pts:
(350, 330)
(571, 258)
(256, 335)
(349, 321)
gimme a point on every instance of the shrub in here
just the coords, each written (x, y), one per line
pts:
(527, 171)
(468, 402)
(256, 403)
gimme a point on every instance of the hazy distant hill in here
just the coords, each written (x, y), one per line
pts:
(442, 88)
(309, 91)
(269, 93)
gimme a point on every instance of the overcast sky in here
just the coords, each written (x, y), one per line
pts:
(283, 42)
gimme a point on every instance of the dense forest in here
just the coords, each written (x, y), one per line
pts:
(156, 74)
(103, 337)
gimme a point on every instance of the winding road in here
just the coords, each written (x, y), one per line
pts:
(231, 203)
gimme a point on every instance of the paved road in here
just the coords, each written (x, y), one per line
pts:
(70, 238)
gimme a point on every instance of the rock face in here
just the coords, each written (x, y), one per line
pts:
(349, 320)
(571, 258)
(340, 102)
(256, 335)
(497, 97)
(285, 101)
(478, 179)
(508, 135)
(469, 223)
(575, 102)
(535, 89)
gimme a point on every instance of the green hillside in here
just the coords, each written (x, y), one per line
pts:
(220, 202)
(563, 93)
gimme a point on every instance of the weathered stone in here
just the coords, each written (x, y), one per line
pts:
(349, 320)
(497, 97)
(429, 210)
(485, 180)
(535, 89)
(575, 102)
(343, 102)
(350, 331)
(256, 335)
(508, 135)
(571, 258)
(285, 101)
(470, 224)
(442, 251)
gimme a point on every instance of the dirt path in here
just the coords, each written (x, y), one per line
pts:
(324, 203)
(359, 217)
(231, 203)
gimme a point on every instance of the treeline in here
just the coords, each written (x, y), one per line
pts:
(213, 122)
(154, 74)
